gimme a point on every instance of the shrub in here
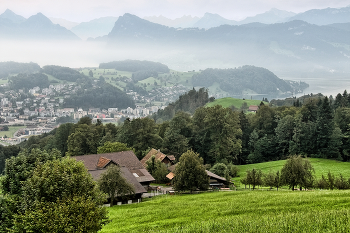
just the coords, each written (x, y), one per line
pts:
(219, 169)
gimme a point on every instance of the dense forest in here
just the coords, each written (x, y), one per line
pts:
(7, 68)
(135, 65)
(62, 73)
(141, 75)
(234, 81)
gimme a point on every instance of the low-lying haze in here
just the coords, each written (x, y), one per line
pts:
(86, 10)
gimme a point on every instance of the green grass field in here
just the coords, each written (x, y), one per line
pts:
(227, 102)
(241, 211)
(3, 81)
(321, 166)
(12, 130)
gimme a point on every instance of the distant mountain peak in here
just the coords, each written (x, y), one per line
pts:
(8, 14)
(210, 20)
(208, 14)
(39, 19)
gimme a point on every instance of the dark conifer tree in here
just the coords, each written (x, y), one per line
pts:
(325, 127)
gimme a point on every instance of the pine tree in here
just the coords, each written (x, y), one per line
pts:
(325, 127)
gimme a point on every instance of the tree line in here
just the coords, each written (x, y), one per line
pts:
(297, 172)
(317, 127)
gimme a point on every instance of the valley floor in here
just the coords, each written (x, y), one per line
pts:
(240, 211)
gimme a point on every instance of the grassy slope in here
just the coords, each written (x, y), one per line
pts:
(321, 166)
(241, 211)
(227, 102)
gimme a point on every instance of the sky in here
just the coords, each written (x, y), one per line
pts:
(86, 10)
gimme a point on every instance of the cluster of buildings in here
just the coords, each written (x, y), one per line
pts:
(160, 94)
(135, 172)
(46, 105)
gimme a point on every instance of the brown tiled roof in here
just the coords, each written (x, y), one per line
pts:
(148, 156)
(158, 155)
(253, 108)
(124, 159)
(96, 174)
(102, 162)
(170, 176)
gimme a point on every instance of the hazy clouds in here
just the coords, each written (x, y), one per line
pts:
(85, 10)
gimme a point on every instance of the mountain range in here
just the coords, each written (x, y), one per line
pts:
(12, 25)
(37, 27)
(324, 16)
(293, 42)
(210, 20)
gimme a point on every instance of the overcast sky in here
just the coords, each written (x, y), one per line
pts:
(85, 10)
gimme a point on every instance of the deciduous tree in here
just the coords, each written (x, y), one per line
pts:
(297, 171)
(110, 147)
(114, 184)
(60, 196)
(190, 173)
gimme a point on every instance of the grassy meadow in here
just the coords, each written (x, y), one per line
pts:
(12, 130)
(229, 101)
(236, 211)
(321, 166)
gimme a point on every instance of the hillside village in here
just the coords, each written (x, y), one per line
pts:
(43, 108)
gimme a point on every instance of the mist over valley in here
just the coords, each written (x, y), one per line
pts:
(292, 46)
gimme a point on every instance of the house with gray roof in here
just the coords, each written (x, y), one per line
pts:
(130, 167)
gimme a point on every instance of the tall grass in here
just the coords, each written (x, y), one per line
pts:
(242, 211)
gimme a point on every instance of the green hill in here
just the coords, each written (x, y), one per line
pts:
(227, 102)
(321, 166)
(236, 211)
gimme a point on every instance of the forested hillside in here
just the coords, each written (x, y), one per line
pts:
(7, 68)
(89, 92)
(135, 65)
(102, 96)
(187, 102)
(28, 81)
(63, 73)
(234, 81)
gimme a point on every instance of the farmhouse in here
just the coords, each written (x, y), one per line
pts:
(167, 159)
(253, 108)
(131, 168)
